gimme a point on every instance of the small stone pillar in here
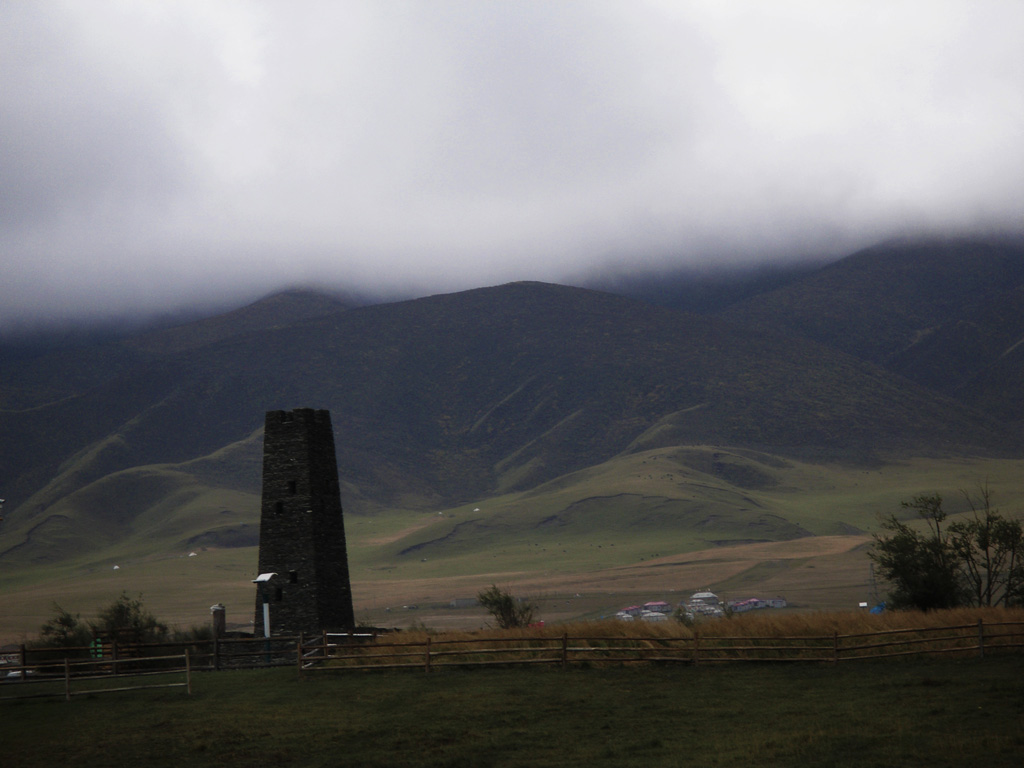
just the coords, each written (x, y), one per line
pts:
(219, 620)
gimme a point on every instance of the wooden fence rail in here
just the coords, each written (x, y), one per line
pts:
(338, 653)
(205, 655)
(365, 651)
(76, 677)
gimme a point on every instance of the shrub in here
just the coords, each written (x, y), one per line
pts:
(508, 611)
(64, 630)
(127, 616)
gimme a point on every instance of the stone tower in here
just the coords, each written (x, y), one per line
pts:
(302, 532)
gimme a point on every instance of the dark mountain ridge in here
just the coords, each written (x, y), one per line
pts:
(706, 289)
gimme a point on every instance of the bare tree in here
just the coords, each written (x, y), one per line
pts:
(990, 552)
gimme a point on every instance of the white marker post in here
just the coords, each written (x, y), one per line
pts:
(261, 582)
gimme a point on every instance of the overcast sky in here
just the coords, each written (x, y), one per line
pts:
(157, 154)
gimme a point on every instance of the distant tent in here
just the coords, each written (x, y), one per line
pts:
(880, 608)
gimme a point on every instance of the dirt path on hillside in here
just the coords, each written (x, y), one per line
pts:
(392, 537)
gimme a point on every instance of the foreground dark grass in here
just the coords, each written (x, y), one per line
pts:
(926, 712)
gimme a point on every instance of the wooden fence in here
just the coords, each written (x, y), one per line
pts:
(205, 655)
(71, 671)
(344, 653)
(76, 677)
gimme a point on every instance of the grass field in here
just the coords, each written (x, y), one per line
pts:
(647, 526)
(921, 713)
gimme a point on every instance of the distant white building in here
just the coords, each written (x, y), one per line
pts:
(705, 603)
(658, 606)
(653, 616)
(742, 606)
(756, 603)
(703, 609)
(707, 598)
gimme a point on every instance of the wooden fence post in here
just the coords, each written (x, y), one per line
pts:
(565, 650)
(216, 654)
(22, 656)
(426, 656)
(835, 647)
(981, 639)
(67, 679)
(696, 648)
(188, 673)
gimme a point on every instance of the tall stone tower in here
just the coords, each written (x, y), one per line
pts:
(302, 532)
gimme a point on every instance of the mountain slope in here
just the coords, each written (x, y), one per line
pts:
(456, 397)
(946, 314)
(978, 356)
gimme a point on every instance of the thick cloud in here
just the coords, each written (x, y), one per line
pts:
(159, 154)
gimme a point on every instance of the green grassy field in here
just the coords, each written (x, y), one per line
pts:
(652, 525)
(920, 713)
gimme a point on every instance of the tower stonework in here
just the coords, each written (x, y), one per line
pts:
(302, 531)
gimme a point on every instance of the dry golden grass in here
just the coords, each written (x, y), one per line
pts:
(768, 624)
(767, 636)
